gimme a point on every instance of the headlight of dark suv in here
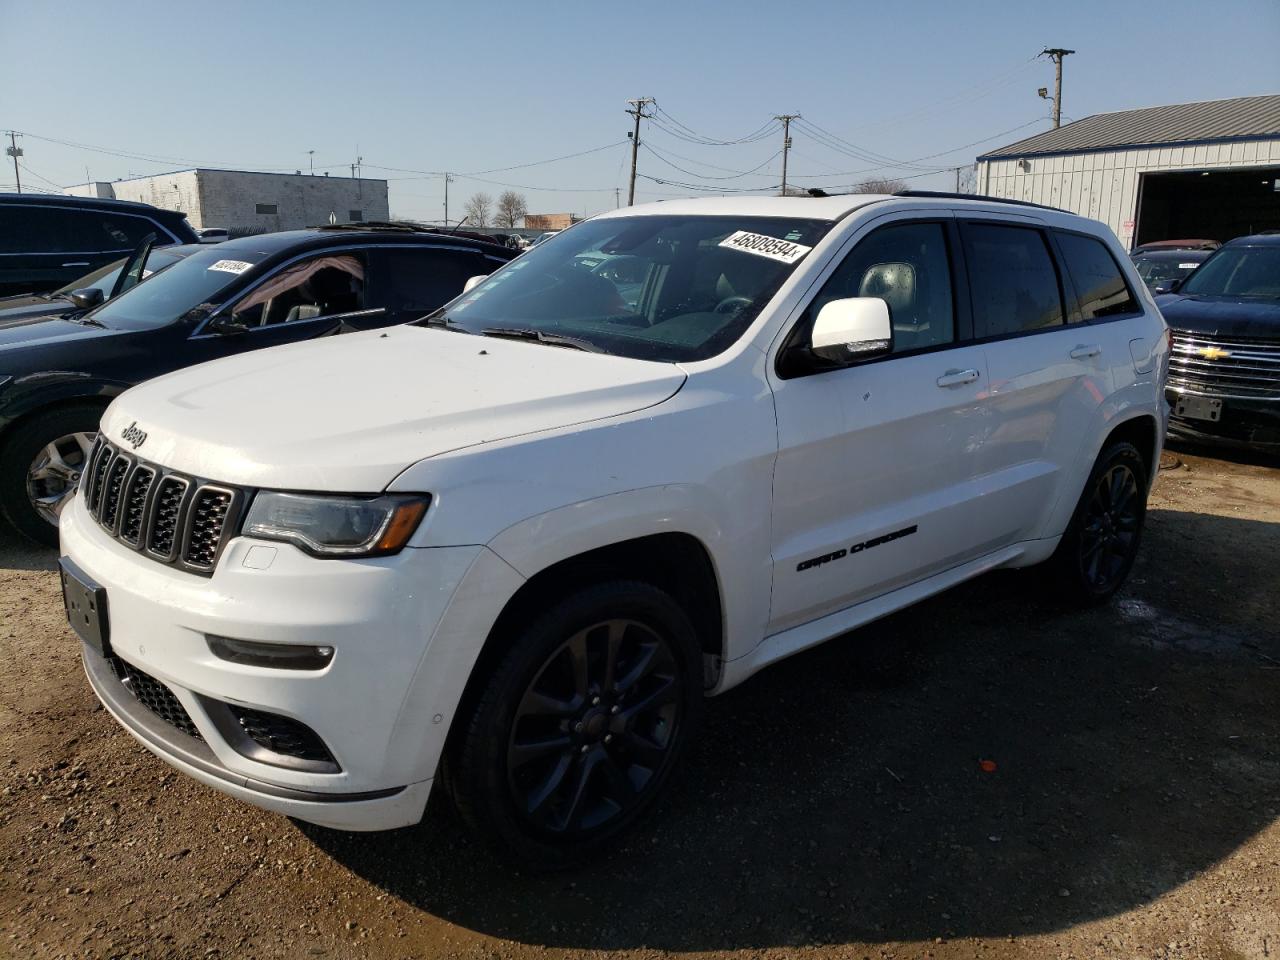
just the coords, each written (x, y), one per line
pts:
(336, 526)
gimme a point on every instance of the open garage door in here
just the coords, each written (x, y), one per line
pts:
(1213, 204)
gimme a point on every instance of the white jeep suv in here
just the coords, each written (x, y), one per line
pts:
(512, 545)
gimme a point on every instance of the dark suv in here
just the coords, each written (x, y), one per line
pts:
(48, 241)
(58, 374)
(1224, 371)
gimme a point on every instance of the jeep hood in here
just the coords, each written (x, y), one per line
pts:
(349, 413)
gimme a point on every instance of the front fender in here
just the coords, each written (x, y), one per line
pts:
(25, 394)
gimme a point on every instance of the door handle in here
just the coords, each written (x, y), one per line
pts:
(1086, 351)
(957, 378)
(78, 263)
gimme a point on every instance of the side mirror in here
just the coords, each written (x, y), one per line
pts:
(855, 328)
(473, 282)
(226, 327)
(86, 298)
(1175, 285)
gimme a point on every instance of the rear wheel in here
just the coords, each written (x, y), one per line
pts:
(1097, 551)
(40, 466)
(578, 729)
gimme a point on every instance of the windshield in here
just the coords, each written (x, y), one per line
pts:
(667, 288)
(166, 296)
(1238, 272)
(1153, 270)
(104, 278)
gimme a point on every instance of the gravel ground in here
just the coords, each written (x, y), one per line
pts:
(840, 804)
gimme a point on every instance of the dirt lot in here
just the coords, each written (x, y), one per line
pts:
(835, 808)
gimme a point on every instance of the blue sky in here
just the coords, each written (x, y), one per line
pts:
(481, 86)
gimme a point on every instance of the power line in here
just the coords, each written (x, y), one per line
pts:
(735, 176)
(693, 136)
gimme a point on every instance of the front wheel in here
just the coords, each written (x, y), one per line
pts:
(1097, 551)
(578, 729)
(40, 466)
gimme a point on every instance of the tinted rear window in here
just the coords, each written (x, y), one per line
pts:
(1098, 281)
(1012, 280)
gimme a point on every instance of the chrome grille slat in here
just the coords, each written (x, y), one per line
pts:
(170, 517)
(1247, 369)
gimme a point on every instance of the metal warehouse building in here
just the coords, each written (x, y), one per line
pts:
(1204, 170)
(244, 202)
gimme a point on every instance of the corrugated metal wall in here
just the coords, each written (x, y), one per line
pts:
(1104, 185)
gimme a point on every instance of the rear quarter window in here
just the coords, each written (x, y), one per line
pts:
(1099, 282)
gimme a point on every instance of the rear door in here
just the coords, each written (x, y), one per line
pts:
(877, 482)
(1050, 372)
(36, 255)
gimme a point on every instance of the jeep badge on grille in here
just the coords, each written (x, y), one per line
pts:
(133, 436)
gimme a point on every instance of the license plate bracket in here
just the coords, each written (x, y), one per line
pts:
(86, 605)
(1198, 408)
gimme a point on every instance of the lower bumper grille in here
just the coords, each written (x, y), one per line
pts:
(281, 735)
(155, 696)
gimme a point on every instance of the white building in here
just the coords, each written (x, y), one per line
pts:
(245, 202)
(1191, 170)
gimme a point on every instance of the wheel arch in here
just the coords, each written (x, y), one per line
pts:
(1143, 431)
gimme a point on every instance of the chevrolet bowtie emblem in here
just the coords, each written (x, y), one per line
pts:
(1213, 353)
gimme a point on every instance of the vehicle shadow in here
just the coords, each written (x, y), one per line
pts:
(19, 553)
(846, 795)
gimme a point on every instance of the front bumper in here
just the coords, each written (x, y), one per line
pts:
(372, 810)
(1245, 422)
(379, 706)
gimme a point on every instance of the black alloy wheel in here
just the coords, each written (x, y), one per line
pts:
(1109, 533)
(1100, 544)
(576, 722)
(594, 728)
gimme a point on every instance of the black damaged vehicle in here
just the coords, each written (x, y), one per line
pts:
(1224, 371)
(57, 374)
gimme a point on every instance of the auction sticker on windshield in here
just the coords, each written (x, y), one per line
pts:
(231, 266)
(763, 246)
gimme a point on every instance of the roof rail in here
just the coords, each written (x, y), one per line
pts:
(945, 195)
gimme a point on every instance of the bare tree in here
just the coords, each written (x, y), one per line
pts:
(478, 208)
(879, 185)
(511, 209)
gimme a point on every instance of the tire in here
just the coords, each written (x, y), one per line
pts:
(68, 431)
(1098, 549)
(552, 764)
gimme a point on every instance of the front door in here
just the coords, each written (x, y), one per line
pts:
(877, 482)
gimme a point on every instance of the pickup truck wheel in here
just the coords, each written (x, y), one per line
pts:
(1101, 542)
(40, 465)
(577, 730)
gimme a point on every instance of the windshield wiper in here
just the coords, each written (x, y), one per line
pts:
(87, 321)
(538, 336)
(440, 321)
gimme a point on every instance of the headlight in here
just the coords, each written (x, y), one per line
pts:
(335, 526)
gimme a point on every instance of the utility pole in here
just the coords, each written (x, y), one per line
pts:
(786, 119)
(617, 197)
(15, 151)
(311, 155)
(637, 111)
(957, 179)
(447, 178)
(1056, 54)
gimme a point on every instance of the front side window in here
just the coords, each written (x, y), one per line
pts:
(1097, 278)
(1243, 271)
(658, 287)
(906, 266)
(418, 280)
(322, 286)
(1012, 280)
